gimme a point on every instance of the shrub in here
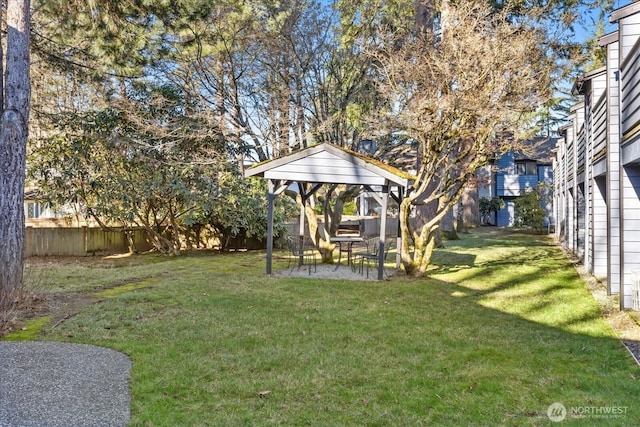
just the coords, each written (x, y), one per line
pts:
(528, 211)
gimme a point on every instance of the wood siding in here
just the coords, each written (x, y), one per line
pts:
(505, 216)
(559, 186)
(570, 215)
(599, 228)
(629, 29)
(570, 160)
(580, 229)
(598, 192)
(613, 168)
(631, 230)
(595, 127)
(514, 185)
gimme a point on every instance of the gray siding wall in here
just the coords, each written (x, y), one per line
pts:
(581, 150)
(629, 36)
(570, 223)
(613, 168)
(630, 89)
(581, 209)
(599, 230)
(569, 153)
(595, 123)
(629, 30)
(559, 185)
(631, 230)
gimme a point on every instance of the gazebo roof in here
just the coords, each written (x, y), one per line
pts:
(326, 163)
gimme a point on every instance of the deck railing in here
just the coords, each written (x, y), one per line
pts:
(629, 92)
(599, 128)
(581, 149)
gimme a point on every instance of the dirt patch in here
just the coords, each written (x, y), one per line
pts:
(35, 302)
(89, 261)
(32, 305)
(58, 306)
(23, 306)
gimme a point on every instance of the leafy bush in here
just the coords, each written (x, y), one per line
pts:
(528, 211)
(488, 206)
(239, 210)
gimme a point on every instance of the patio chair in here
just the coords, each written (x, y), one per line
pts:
(370, 256)
(300, 254)
(362, 251)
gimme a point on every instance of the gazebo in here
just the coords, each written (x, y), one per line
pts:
(329, 164)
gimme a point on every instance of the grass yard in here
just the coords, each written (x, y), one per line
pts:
(502, 328)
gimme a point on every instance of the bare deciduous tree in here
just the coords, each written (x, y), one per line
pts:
(455, 93)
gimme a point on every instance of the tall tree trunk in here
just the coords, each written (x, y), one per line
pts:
(470, 206)
(325, 247)
(13, 146)
(448, 225)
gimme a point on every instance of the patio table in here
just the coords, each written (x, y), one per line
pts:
(348, 242)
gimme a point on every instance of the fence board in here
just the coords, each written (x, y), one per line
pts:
(84, 241)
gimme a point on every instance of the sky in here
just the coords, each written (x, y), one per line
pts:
(590, 16)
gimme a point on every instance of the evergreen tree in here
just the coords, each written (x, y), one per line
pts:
(15, 92)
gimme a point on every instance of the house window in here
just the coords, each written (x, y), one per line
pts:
(526, 168)
(33, 210)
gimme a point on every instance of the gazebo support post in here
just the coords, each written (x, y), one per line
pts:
(399, 232)
(303, 216)
(383, 230)
(276, 187)
(271, 196)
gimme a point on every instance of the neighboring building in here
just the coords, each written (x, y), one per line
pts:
(509, 176)
(41, 214)
(597, 164)
(34, 208)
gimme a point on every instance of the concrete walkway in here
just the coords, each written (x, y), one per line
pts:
(59, 384)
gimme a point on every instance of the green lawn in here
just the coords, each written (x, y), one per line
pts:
(502, 328)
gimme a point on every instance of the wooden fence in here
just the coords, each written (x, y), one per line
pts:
(83, 241)
(87, 241)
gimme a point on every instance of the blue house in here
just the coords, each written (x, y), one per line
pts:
(515, 172)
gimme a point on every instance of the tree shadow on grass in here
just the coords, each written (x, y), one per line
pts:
(517, 334)
(563, 356)
(449, 260)
(460, 355)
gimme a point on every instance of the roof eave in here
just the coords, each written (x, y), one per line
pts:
(389, 173)
(623, 12)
